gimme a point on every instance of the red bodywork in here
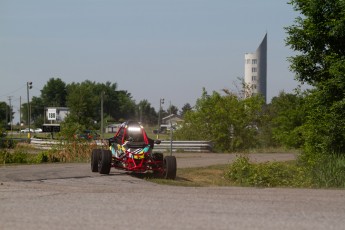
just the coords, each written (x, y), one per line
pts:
(132, 150)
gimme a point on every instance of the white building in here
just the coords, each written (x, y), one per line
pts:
(55, 114)
(255, 71)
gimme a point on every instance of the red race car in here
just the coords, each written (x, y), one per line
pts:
(131, 150)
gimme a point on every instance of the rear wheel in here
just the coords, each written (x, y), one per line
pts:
(104, 162)
(94, 160)
(169, 166)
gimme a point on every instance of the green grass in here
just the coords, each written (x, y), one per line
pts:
(211, 176)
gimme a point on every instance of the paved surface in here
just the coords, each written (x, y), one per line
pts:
(69, 196)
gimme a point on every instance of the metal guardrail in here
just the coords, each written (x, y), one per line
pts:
(186, 146)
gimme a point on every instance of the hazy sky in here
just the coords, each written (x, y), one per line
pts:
(152, 48)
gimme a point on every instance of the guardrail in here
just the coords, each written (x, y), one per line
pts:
(186, 146)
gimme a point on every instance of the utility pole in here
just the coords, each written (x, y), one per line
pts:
(161, 101)
(20, 115)
(171, 132)
(9, 100)
(102, 128)
(28, 87)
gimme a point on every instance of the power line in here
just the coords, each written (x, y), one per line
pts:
(12, 92)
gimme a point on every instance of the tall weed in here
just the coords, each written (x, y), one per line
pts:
(269, 174)
(329, 171)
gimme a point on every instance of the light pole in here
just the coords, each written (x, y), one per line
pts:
(28, 87)
(161, 101)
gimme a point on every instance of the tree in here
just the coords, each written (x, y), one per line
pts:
(54, 93)
(172, 110)
(287, 115)
(187, 107)
(37, 111)
(318, 37)
(84, 102)
(228, 121)
(5, 114)
(146, 113)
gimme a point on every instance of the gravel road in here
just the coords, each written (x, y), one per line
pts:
(69, 196)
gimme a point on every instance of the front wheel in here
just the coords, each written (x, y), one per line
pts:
(169, 166)
(104, 162)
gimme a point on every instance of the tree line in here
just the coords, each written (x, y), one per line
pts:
(83, 100)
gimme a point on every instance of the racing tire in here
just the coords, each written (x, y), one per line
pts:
(169, 166)
(94, 160)
(104, 162)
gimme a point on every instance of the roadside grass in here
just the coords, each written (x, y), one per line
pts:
(211, 176)
(22, 153)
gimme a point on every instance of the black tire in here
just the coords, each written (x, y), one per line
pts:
(170, 166)
(104, 162)
(94, 160)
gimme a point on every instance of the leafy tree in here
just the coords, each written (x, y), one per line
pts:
(318, 36)
(172, 110)
(146, 113)
(5, 112)
(228, 121)
(37, 111)
(84, 102)
(187, 107)
(54, 93)
(287, 113)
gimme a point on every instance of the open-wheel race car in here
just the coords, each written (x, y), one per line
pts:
(132, 150)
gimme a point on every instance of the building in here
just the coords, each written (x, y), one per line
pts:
(55, 114)
(255, 71)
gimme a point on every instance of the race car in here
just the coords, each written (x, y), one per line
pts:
(132, 150)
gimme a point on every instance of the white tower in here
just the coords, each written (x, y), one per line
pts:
(255, 71)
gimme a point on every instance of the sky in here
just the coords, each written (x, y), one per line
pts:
(154, 49)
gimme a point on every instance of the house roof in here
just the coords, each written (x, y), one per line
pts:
(173, 117)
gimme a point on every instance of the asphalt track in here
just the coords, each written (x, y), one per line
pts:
(69, 196)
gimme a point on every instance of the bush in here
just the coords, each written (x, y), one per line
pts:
(325, 170)
(269, 174)
(7, 143)
(17, 156)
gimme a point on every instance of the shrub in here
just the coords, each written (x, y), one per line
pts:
(326, 170)
(17, 156)
(269, 174)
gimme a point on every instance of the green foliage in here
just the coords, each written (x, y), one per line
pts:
(324, 170)
(47, 157)
(54, 93)
(146, 113)
(228, 121)
(69, 129)
(318, 37)
(315, 170)
(7, 143)
(5, 112)
(269, 174)
(84, 102)
(287, 115)
(18, 156)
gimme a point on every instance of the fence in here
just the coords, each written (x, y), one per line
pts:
(185, 146)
